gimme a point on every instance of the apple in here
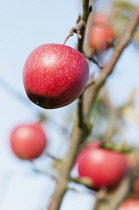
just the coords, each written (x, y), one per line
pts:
(102, 34)
(28, 141)
(105, 167)
(55, 75)
(130, 204)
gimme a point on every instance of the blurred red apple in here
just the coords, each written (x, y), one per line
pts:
(102, 34)
(105, 167)
(28, 141)
(130, 204)
(55, 75)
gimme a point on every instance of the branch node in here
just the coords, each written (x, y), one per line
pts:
(77, 29)
(94, 61)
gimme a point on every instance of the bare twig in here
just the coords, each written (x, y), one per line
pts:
(83, 181)
(52, 157)
(112, 200)
(73, 189)
(71, 33)
(79, 191)
(80, 110)
(94, 61)
(81, 22)
(46, 173)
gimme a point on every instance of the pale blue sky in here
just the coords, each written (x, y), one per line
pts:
(25, 25)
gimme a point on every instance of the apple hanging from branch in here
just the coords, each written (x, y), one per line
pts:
(55, 75)
(104, 167)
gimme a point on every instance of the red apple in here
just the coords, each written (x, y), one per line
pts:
(105, 167)
(28, 141)
(130, 204)
(55, 75)
(102, 34)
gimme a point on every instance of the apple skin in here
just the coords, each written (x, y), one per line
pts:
(105, 167)
(102, 34)
(55, 75)
(130, 204)
(28, 141)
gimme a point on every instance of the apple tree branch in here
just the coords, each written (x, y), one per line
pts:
(81, 130)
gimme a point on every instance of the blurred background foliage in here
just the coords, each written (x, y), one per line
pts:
(120, 14)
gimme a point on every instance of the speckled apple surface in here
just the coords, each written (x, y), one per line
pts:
(55, 75)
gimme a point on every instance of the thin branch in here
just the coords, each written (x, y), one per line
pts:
(73, 189)
(71, 33)
(86, 11)
(52, 157)
(113, 198)
(83, 181)
(45, 173)
(81, 22)
(80, 191)
(94, 61)
(76, 29)
(39, 171)
(80, 111)
(78, 135)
